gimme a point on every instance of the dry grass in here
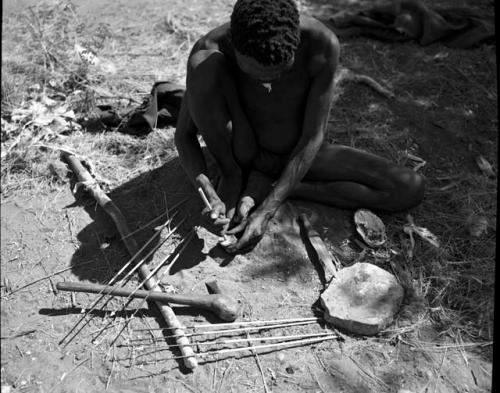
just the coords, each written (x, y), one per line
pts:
(454, 88)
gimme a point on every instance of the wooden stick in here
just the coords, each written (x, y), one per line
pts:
(108, 205)
(239, 340)
(322, 254)
(295, 342)
(278, 321)
(244, 329)
(263, 322)
(204, 198)
(290, 344)
(246, 323)
(201, 301)
(169, 219)
(226, 342)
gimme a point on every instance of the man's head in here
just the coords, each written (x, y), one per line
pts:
(265, 35)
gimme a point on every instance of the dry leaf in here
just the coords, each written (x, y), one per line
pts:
(485, 166)
(86, 55)
(424, 233)
(91, 58)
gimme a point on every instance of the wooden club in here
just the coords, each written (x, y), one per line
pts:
(224, 307)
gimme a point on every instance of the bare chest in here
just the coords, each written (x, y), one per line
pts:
(275, 110)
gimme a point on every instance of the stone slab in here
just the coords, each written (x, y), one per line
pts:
(362, 299)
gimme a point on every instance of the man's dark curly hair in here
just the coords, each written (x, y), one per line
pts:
(266, 30)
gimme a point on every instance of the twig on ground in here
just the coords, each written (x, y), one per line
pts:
(154, 340)
(214, 376)
(345, 75)
(49, 276)
(112, 369)
(257, 359)
(187, 386)
(73, 369)
(226, 372)
(369, 374)
(316, 379)
(20, 334)
(438, 372)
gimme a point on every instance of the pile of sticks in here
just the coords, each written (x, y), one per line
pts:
(148, 280)
(212, 341)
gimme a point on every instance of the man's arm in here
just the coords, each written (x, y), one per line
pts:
(314, 125)
(190, 153)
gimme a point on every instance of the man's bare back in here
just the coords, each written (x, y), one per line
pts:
(264, 121)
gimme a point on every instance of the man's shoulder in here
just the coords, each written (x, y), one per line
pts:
(319, 37)
(322, 45)
(214, 39)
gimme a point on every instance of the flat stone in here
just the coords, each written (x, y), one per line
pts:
(362, 299)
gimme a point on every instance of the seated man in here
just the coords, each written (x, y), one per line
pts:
(259, 90)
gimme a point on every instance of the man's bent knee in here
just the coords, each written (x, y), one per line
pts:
(409, 191)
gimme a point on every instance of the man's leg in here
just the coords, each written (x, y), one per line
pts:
(209, 90)
(347, 177)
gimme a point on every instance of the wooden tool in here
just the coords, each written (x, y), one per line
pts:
(222, 306)
(322, 254)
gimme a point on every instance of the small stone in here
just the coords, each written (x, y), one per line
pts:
(362, 299)
(290, 370)
(281, 357)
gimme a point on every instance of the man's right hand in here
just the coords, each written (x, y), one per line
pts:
(218, 212)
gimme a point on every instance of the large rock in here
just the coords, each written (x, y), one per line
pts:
(362, 299)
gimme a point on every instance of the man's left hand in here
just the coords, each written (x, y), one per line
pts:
(253, 229)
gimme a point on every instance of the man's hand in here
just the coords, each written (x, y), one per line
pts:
(215, 207)
(253, 229)
(218, 213)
